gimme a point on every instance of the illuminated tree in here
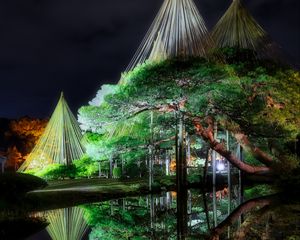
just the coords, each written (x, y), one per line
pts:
(60, 143)
(14, 158)
(28, 127)
(125, 143)
(25, 132)
(255, 101)
(177, 31)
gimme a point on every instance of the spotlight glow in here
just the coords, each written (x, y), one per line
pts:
(220, 166)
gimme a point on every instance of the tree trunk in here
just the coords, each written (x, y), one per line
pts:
(111, 167)
(242, 209)
(100, 172)
(255, 151)
(207, 135)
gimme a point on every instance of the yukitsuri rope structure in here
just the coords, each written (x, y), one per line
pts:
(60, 143)
(177, 31)
(238, 29)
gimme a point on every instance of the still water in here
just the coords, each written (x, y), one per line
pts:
(187, 215)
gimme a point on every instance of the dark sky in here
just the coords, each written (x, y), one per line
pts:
(77, 45)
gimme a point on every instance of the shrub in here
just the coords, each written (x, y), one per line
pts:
(85, 167)
(117, 172)
(57, 171)
(132, 170)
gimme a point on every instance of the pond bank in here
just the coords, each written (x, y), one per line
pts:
(73, 192)
(68, 193)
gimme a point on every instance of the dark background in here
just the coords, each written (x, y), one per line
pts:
(77, 45)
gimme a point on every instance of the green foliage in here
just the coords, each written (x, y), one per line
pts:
(158, 170)
(119, 225)
(128, 140)
(195, 177)
(57, 171)
(132, 170)
(258, 191)
(258, 98)
(222, 89)
(85, 167)
(233, 55)
(248, 158)
(117, 172)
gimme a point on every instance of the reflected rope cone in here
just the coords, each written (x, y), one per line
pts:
(60, 143)
(177, 31)
(237, 28)
(67, 224)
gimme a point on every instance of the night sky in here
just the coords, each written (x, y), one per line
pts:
(47, 46)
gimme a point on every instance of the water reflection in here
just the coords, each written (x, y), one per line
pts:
(149, 217)
(186, 214)
(66, 224)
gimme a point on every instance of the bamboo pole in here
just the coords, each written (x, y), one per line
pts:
(228, 182)
(214, 169)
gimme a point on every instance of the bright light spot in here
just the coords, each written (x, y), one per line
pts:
(220, 166)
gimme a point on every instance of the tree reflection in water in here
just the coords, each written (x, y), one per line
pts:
(66, 224)
(185, 214)
(270, 217)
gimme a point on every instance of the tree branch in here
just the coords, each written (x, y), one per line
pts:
(208, 136)
(242, 209)
(255, 151)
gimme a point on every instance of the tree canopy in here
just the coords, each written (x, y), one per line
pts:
(257, 101)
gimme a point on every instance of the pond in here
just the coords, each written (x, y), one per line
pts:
(190, 214)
